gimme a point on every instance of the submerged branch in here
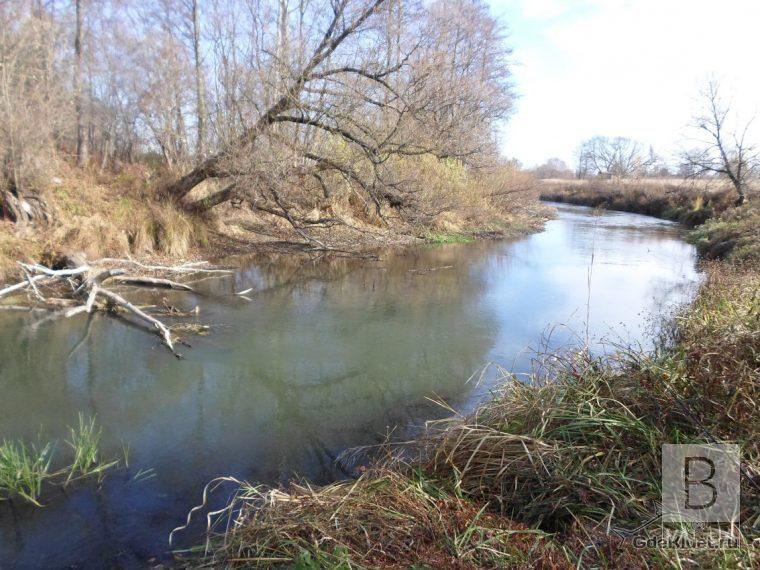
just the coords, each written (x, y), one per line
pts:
(76, 289)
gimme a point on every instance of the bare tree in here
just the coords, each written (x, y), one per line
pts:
(284, 102)
(339, 27)
(617, 157)
(34, 108)
(722, 151)
(553, 168)
(349, 97)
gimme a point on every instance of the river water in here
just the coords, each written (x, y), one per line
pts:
(324, 356)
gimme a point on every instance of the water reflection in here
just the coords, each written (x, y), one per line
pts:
(325, 356)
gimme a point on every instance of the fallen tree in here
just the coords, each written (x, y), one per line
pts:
(80, 287)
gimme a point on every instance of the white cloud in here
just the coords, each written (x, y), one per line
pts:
(544, 9)
(623, 67)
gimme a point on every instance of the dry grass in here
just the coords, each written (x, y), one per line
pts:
(114, 215)
(385, 519)
(118, 214)
(449, 197)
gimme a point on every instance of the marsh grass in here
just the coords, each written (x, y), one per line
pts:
(24, 469)
(85, 443)
(386, 519)
(557, 471)
(733, 236)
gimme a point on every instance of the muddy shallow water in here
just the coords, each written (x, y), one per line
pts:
(326, 355)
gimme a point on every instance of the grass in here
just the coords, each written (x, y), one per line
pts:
(106, 214)
(550, 472)
(24, 470)
(85, 443)
(386, 519)
(443, 238)
(733, 236)
(115, 215)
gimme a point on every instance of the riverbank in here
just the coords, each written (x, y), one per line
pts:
(120, 215)
(688, 203)
(559, 471)
(720, 230)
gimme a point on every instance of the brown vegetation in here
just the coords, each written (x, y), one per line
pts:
(689, 203)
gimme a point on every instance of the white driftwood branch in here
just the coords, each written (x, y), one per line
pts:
(189, 267)
(152, 282)
(122, 302)
(35, 268)
(41, 273)
(79, 288)
(75, 311)
(20, 286)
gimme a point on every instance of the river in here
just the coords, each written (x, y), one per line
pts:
(324, 356)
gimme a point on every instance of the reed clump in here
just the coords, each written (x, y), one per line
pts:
(555, 471)
(583, 440)
(84, 441)
(25, 470)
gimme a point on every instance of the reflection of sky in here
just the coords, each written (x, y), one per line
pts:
(640, 268)
(325, 356)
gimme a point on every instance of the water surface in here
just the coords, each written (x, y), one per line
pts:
(326, 355)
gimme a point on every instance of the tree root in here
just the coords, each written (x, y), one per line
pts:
(79, 289)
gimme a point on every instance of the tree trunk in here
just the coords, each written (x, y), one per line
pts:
(78, 102)
(210, 168)
(215, 199)
(200, 92)
(22, 208)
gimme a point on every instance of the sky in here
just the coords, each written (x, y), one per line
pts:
(628, 68)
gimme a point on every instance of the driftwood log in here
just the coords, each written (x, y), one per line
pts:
(81, 287)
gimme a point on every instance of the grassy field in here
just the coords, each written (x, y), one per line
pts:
(556, 472)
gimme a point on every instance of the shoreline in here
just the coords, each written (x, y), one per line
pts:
(220, 244)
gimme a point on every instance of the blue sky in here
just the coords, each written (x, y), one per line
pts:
(624, 68)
